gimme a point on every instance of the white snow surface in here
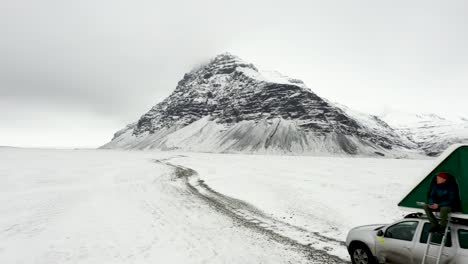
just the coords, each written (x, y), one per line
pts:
(114, 207)
(109, 206)
(328, 195)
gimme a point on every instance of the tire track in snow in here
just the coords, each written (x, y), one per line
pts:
(316, 247)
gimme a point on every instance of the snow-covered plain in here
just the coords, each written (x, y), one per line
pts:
(107, 206)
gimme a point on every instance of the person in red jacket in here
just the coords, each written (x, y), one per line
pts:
(442, 197)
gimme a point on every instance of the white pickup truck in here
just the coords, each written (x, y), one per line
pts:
(404, 242)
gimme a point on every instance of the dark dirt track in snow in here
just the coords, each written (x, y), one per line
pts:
(251, 217)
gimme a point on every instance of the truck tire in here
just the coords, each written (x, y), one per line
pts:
(360, 254)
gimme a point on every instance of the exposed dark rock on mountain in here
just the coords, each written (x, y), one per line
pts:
(229, 105)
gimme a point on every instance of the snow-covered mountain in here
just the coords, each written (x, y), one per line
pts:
(432, 133)
(228, 105)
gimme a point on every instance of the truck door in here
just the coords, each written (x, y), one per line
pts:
(462, 253)
(397, 244)
(420, 248)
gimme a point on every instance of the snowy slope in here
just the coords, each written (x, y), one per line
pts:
(266, 136)
(228, 105)
(377, 125)
(431, 132)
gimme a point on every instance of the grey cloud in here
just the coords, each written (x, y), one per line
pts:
(118, 58)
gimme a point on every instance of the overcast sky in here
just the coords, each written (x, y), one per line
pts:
(74, 72)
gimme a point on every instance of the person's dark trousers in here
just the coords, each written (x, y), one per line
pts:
(444, 212)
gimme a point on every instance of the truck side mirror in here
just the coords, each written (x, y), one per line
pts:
(380, 233)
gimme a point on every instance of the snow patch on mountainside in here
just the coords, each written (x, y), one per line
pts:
(374, 123)
(274, 136)
(432, 133)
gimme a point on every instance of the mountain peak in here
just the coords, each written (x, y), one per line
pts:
(224, 63)
(226, 55)
(227, 62)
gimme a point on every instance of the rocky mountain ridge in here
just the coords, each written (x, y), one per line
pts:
(229, 105)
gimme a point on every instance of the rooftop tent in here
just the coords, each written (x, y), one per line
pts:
(454, 161)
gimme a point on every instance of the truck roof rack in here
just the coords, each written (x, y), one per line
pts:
(414, 215)
(459, 221)
(453, 220)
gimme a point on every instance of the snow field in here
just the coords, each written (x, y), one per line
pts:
(310, 196)
(106, 206)
(115, 207)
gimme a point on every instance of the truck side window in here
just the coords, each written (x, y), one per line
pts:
(402, 231)
(463, 238)
(436, 237)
